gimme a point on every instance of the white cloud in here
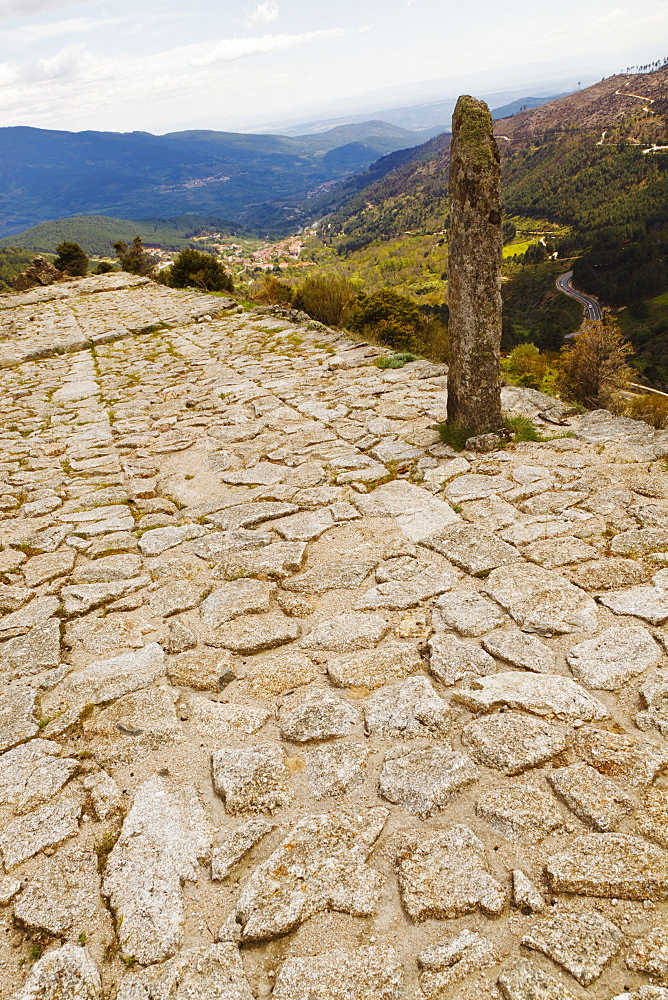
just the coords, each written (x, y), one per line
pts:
(28, 34)
(264, 13)
(228, 49)
(25, 8)
(46, 86)
(67, 64)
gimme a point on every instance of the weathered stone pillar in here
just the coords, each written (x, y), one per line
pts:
(474, 270)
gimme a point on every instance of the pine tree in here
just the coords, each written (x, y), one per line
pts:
(71, 259)
(134, 259)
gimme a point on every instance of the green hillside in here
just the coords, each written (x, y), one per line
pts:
(410, 197)
(97, 233)
(12, 262)
(614, 199)
(594, 192)
(48, 174)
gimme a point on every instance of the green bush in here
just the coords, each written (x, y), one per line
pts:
(194, 269)
(71, 259)
(104, 267)
(528, 367)
(272, 291)
(134, 259)
(327, 298)
(393, 319)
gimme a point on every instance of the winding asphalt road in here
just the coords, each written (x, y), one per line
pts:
(591, 306)
(593, 312)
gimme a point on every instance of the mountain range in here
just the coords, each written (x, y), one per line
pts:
(254, 181)
(47, 174)
(582, 160)
(591, 168)
(427, 119)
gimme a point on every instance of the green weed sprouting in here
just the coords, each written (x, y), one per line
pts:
(522, 429)
(395, 361)
(454, 434)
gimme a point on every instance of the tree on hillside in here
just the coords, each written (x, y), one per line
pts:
(595, 368)
(201, 270)
(509, 231)
(71, 259)
(134, 259)
(535, 254)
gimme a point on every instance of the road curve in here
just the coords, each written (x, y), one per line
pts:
(590, 306)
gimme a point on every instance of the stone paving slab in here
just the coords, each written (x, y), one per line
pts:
(297, 702)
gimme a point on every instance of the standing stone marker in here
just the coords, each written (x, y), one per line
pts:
(474, 270)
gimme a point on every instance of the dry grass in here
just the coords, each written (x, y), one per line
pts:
(650, 408)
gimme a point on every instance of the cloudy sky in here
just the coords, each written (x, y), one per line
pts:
(160, 64)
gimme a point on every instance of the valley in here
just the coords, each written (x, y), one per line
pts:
(250, 179)
(334, 546)
(585, 178)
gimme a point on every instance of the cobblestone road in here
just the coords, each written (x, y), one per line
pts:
(297, 703)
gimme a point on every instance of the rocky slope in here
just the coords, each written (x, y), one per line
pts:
(295, 702)
(576, 133)
(604, 105)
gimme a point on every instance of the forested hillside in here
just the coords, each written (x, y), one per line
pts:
(49, 175)
(583, 176)
(97, 233)
(614, 198)
(412, 196)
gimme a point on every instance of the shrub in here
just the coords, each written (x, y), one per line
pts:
(393, 319)
(530, 368)
(104, 267)
(71, 259)
(595, 368)
(134, 259)
(650, 408)
(328, 298)
(272, 291)
(192, 268)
